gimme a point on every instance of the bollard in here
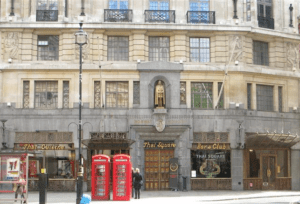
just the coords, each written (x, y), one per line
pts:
(85, 199)
(184, 183)
(43, 184)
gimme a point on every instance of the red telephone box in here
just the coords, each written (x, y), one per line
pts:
(100, 177)
(121, 177)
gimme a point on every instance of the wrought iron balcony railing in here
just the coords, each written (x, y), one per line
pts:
(160, 16)
(46, 15)
(205, 17)
(117, 15)
(265, 22)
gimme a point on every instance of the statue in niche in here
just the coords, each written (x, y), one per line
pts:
(11, 45)
(160, 99)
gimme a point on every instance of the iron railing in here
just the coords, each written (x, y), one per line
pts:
(117, 15)
(47, 15)
(205, 17)
(265, 22)
(160, 16)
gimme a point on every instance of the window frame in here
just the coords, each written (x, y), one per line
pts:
(160, 7)
(159, 48)
(116, 93)
(47, 88)
(199, 48)
(259, 100)
(46, 55)
(115, 52)
(260, 57)
(210, 106)
(118, 4)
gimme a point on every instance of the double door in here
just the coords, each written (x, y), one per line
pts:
(157, 169)
(269, 171)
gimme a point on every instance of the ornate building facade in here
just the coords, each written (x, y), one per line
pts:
(212, 83)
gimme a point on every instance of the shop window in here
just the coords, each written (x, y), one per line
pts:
(97, 94)
(260, 53)
(280, 98)
(199, 50)
(182, 92)
(48, 47)
(26, 98)
(159, 48)
(211, 163)
(136, 92)
(202, 95)
(47, 10)
(117, 94)
(264, 97)
(46, 94)
(118, 49)
(249, 96)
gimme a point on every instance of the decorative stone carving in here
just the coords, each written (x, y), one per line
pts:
(292, 54)
(85, 51)
(160, 119)
(160, 99)
(11, 45)
(236, 48)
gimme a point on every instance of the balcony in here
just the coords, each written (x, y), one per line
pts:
(160, 16)
(46, 15)
(117, 15)
(201, 17)
(265, 22)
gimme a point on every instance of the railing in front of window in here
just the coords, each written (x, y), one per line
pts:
(265, 22)
(160, 16)
(202, 17)
(47, 15)
(117, 15)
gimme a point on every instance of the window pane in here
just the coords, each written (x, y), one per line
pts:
(159, 48)
(48, 48)
(260, 53)
(264, 96)
(202, 95)
(118, 49)
(113, 4)
(46, 94)
(199, 50)
(117, 94)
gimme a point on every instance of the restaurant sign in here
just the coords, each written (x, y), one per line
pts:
(211, 146)
(159, 145)
(26, 146)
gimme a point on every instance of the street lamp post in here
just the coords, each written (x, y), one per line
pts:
(3, 134)
(80, 39)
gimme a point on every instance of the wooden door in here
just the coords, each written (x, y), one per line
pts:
(157, 169)
(269, 172)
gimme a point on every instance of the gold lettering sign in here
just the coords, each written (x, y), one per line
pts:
(214, 146)
(159, 145)
(41, 147)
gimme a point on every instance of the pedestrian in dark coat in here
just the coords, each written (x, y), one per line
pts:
(133, 176)
(138, 183)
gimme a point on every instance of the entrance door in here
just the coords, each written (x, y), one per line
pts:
(157, 169)
(268, 175)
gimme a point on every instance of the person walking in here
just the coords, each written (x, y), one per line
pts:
(133, 176)
(138, 182)
(19, 188)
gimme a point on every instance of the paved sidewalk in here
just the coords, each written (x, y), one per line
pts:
(168, 197)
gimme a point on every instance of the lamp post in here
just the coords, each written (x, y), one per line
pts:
(80, 39)
(3, 134)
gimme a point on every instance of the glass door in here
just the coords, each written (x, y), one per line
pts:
(269, 171)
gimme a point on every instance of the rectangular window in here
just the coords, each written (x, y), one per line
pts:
(97, 94)
(46, 94)
(48, 47)
(26, 97)
(136, 92)
(264, 97)
(249, 96)
(47, 10)
(66, 94)
(118, 49)
(202, 95)
(221, 101)
(159, 5)
(118, 4)
(182, 92)
(117, 94)
(280, 98)
(260, 53)
(248, 10)
(199, 50)
(159, 48)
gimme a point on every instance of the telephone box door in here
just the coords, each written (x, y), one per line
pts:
(121, 177)
(100, 177)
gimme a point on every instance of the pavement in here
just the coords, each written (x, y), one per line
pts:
(168, 197)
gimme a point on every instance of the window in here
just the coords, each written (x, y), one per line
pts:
(202, 95)
(264, 97)
(26, 97)
(248, 10)
(159, 48)
(159, 5)
(199, 5)
(221, 101)
(46, 93)
(136, 92)
(48, 47)
(97, 94)
(118, 49)
(200, 11)
(47, 10)
(199, 50)
(117, 94)
(182, 92)
(118, 4)
(265, 14)
(249, 96)
(260, 53)
(280, 98)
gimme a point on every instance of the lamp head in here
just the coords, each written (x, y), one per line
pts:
(81, 36)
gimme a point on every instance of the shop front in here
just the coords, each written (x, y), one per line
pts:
(211, 162)
(267, 161)
(56, 154)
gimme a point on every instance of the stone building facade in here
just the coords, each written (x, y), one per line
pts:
(230, 75)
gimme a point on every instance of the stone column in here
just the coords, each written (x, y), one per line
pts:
(237, 169)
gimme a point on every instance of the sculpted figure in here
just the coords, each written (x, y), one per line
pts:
(160, 100)
(11, 45)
